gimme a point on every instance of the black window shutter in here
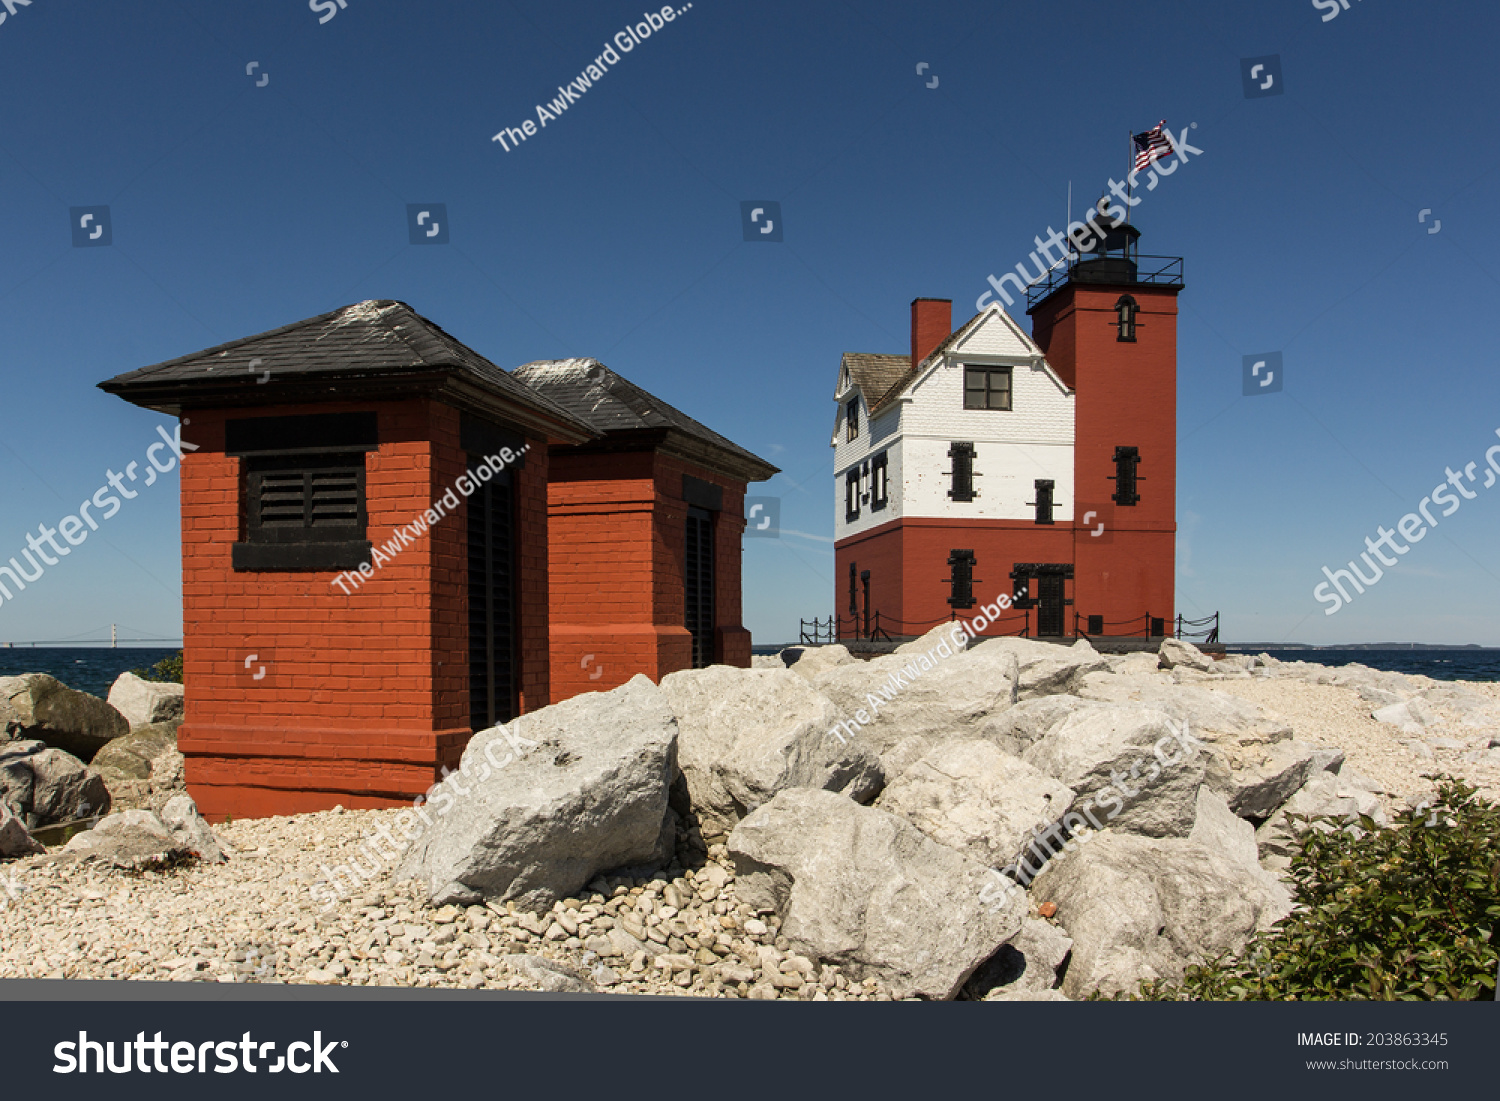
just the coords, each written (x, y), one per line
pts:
(1044, 488)
(699, 578)
(1126, 477)
(961, 578)
(853, 590)
(962, 455)
(851, 495)
(492, 611)
(879, 488)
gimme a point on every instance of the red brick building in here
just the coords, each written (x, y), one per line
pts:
(366, 555)
(647, 518)
(990, 461)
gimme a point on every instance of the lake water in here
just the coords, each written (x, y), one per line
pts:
(93, 669)
(90, 669)
(1438, 664)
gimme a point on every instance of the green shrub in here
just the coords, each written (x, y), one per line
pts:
(167, 669)
(1406, 913)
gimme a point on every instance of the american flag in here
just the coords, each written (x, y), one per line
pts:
(1152, 146)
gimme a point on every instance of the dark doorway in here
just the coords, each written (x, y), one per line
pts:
(492, 613)
(699, 578)
(1050, 597)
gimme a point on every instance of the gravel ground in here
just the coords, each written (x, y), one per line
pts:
(255, 919)
(1328, 714)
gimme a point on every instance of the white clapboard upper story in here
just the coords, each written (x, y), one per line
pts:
(984, 402)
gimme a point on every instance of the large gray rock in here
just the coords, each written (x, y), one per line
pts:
(40, 707)
(143, 769)
(1256, 778)
(862, 889)
(1139, 771)
(1343, 796)
(1028, 964)
(144, 702)
(128, 839)
(745, 734)
(65, 788)
(1251, 757)
(1175, 652)
(1412, 716)
(1046, 668)
(1140, 909)
(180, 814)
(1017, 729)
(942, 692)
(970, 796)
(815, 660)
(15, 841)
(565, 793)
(130, 757)
(16, 778)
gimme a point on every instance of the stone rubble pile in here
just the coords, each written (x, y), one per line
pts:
(1011, 821)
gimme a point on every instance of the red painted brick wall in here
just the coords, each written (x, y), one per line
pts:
(908, 564)
(618, 528)
(1126, 394)
(366, 693)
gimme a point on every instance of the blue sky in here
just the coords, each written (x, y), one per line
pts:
(615, 233)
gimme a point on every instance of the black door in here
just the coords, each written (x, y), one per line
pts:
(1049, 612)
(492, 648)
(699, 576)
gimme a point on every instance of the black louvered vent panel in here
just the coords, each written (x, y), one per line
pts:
(332, 497)
(962, 455)
(699, 577)
(492, 649)
(305, 498)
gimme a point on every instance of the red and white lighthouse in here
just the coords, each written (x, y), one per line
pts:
(1043, 466)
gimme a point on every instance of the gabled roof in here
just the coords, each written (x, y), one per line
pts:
(911, 374)
(874, 373)
(369, 350)
(613, 406)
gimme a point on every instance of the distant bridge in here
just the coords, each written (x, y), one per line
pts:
(84, 639)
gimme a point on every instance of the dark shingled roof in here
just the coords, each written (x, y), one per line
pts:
(874, 373)
(609, 403)
(371, 341)
(883, 372)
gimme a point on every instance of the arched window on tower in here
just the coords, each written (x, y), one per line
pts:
(1126, 309)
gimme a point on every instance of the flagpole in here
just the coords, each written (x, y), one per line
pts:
(1130, 160)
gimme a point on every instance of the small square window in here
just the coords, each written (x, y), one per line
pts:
(987, 387)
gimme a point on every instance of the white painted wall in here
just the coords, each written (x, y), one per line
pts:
(1013, 448)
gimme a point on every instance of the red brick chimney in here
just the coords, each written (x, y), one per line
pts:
(931, 324)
